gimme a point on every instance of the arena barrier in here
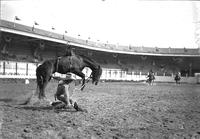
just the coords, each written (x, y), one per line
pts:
(198, 77)
(17, 70)
(170, 79)
(24, 70)
(120, 75)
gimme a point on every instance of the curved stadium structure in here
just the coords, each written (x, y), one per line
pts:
(23, 47)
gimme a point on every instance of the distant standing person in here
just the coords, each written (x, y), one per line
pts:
(150, 77)
(177, 78)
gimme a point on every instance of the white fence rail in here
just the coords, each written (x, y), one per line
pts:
(24, 70)
(11, 69)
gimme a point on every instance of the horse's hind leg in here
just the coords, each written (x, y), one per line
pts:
(42, 89)
(46, 81)
(41, 93)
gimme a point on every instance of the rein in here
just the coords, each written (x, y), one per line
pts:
(57, 62)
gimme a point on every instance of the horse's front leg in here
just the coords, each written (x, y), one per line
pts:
(43, 87)
(82, 75)
(83, 84)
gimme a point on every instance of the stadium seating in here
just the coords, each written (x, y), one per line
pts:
(112, 57)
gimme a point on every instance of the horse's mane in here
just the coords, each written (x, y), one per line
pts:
(88, 60)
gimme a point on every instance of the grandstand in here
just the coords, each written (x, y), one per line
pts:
(23, 48)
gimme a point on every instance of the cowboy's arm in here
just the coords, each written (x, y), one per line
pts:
(56, 78)
(56, 94)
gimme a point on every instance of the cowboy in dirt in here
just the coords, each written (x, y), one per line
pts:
(62, 92)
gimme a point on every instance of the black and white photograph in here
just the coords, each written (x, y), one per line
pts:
(99, 69)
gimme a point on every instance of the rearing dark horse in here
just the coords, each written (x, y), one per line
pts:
(74, 64)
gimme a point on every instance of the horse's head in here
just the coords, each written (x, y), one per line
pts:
(96, 74)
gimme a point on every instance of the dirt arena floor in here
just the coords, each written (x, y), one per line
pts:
(115, 110)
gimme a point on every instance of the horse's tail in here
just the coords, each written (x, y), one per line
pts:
(39, 75)
(40, 81)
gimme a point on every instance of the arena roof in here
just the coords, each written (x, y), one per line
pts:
(15, 28)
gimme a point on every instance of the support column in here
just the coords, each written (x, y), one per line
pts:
(4, 66)
(27, 69)
(16, 68)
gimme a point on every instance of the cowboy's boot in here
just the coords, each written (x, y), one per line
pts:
(78, 108)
